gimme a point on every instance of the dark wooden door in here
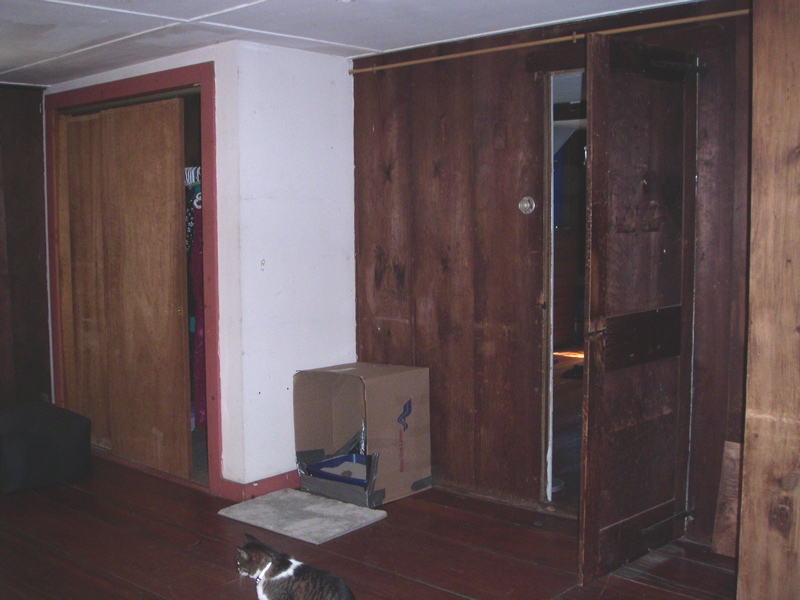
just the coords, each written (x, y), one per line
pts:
(508, 278)
(449, 271)
(640, 216)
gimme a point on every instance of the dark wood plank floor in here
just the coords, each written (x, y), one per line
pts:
(124, 534)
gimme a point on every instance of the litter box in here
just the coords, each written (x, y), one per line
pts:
(335, 469)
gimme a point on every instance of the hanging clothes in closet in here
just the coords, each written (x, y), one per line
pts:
(194, 255)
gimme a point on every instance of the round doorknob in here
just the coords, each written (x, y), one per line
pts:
(527, 205)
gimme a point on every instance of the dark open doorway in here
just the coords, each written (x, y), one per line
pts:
(566, 273)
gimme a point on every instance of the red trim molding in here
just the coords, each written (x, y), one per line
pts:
(247, 491)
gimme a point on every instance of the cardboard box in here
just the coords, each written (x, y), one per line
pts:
(382, 411)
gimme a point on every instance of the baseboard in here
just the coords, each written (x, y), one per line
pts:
(247, 491)
(223, 488)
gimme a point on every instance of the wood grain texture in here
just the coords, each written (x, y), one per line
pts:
(145, 285)
(122, 280)
(770, 529)
(449, 271)
(384, 224)
(508, 282)
(386, 109)
(444, 254)
(124, 534)
(84, 275)
(726, 525)
(721, 248)
(720, 275)
(644, 253)
(741, 232)
(200, 77)
(640, 235)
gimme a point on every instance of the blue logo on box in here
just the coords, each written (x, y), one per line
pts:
(404, 414)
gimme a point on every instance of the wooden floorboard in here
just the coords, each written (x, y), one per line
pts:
(524, 517)
(125, 534)
(447, 564)
(486, 532)
(667, 570)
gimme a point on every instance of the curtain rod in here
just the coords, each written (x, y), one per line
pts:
(565, 38)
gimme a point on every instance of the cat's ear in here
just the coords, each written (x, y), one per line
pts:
(250, 539)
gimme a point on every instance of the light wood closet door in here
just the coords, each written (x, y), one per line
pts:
(130, 360)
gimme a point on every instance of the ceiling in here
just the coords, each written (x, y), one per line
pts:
(43, 42)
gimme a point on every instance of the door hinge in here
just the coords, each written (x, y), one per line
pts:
(596, 333)
(597, 327)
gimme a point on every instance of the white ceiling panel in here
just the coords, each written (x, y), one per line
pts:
(49, 41)
(31, 31)
(173, 9)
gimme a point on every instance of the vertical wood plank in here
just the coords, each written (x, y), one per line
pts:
(61, 263)
(24, 341)
(596, 221)
(88, 386)
(770, 531)
(741, 212)
(726, 524)
(509, 296)
(712, 310)
(443, 213)
(384, 228)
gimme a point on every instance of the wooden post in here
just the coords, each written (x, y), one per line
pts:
(770, 532)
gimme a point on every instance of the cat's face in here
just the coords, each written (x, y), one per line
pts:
(246, 562)
(252, 557)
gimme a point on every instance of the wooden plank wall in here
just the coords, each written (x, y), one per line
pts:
(446, 271)
(408, 118)
(24, 342)
(770, 533)
(720, 253)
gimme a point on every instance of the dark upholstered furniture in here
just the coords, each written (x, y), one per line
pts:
(42, 444)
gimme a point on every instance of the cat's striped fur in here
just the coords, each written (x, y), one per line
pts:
(280, 577)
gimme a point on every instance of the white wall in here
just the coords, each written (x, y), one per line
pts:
(285, 235)
(297, 236)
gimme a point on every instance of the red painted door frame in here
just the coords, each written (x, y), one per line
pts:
(201, 75)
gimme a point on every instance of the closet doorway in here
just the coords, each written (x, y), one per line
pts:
(128, 312)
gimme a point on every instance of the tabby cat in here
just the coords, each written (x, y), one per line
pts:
(280, 577)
